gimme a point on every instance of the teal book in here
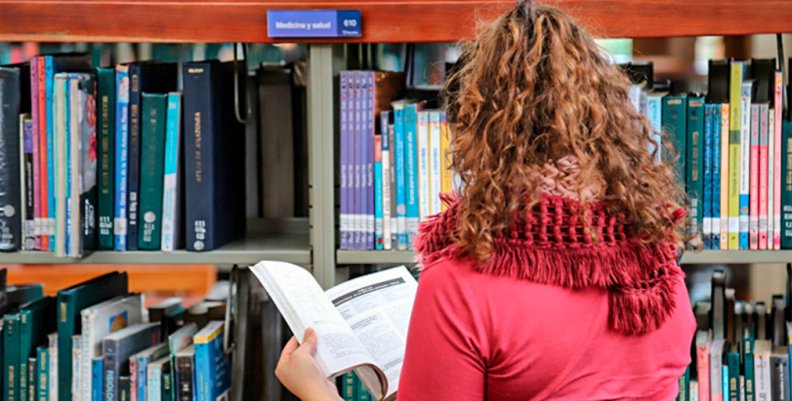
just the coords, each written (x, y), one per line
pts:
(11, 357)
(167, 385)
(71, 301)
(348, 386)
(694, 173)
(786, 186)
(105, 128)
(734, 376)
(748, 363)
(36, 321)
(152, 162)
(42, 371)
(19, 295)
(674, 122)
(32, 381)
(411, 168)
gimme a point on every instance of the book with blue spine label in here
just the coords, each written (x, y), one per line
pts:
(121, 157)
(399, 165)
(411, 168)
(745, 163)
(369, 131)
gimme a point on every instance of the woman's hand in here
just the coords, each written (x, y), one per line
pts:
(298, 371)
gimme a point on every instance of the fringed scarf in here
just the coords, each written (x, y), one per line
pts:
(551, 246)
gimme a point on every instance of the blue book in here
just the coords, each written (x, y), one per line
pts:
(654, 113)
(707, 195)
(724, 381)
(379, 224)
(716, 177)
(154, 374)
(121, 157)
(143, 359)
(212, 370)
(401, 189)
(97, 385)
(411, 169)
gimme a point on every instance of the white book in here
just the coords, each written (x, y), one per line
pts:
(762, 370)
(52, 378)
(98, 321)
(716, 369)
(76, 114)
(76, 362)
(424, 202)
(25, 232)
(59, 166)
(171, 220)
(354, 313)
(435, 163)
(770, 179)
(745, 158)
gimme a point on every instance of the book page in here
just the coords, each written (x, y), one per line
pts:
(377, 307)
(303, 304)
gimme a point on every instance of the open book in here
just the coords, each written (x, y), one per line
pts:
(361, 324)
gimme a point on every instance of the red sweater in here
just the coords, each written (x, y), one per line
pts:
(476, 336)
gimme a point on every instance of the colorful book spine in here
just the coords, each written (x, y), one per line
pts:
(49, 84)
(786, 185)
(399, 164)
(11, 195)
(345, 141)
(759, 123)
(357, 160)
(695, 164)
(153, 112)
(703, 370)
(445, 151)
(379, 225)
(171, 216)
(435, 164)
(105, 124)
(424, 180)
(43, 366)
(708, 177)
(735, 152)
(734, 376)
(36, 121)
(370, 129)
(755, 197)
(386, 182)
(745, 161)
(772, 177)
(776, 120)
(411, 169)
(725, 175)
(121, 157)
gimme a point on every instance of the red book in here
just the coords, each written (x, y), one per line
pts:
(703, 368)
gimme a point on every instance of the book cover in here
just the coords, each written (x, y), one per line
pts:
(36, 321)
(172, 196)
(185, 370)
(674, 120)
(424, 181)
(772, 178)
(105, 124)
(215, 214)
(734, 376)
(144, 77)
(708, 176)
(387, 233)
(378, 222)
(345, 156)
(29, 235)
(763, 163)
(786, 186)
(370, 85)
(116, 350)
(70, 302)
(435, 162)
(152, 165)
(718, 94)
(695, 164)
(143, 358)
(42, 372)
(725, 219)
(43, 112)
(121, 157)
(755, 198)
(735, 153)
(14, 100)
(52, 376)
(212, 377)
(11, 356)
(745, 160)
(400, 176)
(776, 156)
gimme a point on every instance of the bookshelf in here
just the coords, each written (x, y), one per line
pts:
(313, 242)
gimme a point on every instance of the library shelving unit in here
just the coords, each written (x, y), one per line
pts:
(313, 243)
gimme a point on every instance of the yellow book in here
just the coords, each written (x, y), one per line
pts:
(735, 127)
(445, 152)
(724, 178)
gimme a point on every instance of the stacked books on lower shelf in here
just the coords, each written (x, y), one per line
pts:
(741, 349)
(96, 341)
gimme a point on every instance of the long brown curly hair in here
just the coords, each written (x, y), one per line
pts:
(535, 87)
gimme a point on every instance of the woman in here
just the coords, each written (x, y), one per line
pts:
(553, 274)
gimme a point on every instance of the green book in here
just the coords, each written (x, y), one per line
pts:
(11, 356)
(36, 321)
(71, 301)
(674, 123)
(32, 380)
(152, 165)
(748, 364)
(42, 371)
(167, 385)
(786, 186)
(105, 129)
(348, 385)
(694, 173)
(734, 376)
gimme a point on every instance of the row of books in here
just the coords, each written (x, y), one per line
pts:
(96, 341)
(395, 161)
(98, 159)
(741, 349)
(730, 151)
(352, 388)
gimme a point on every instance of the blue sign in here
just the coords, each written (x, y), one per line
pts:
(313, 23)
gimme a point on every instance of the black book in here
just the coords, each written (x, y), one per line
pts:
(763, 74)
(718, 311)
(14, 100)
(214, 143)
(718, 81)
(185, 373)
(169, 314)
(150, 77)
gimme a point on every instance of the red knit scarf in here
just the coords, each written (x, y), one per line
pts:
(551, 246)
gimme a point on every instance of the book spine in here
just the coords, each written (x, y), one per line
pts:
(436, 165)
(43, 208)
(734, 376)
(759, 123)
(121, 157)
(52, 376)
(445, 149)
(10, 356)
(10, 191)
(356, 160)
(745, 162)
(109, 371)
(411, 167)
(703, 370)
(378, 222)
(716, 376)
(86, 188)
(725, 169)
(401, 189)
(32, 385)
(424, 180)
(735, 133)
(171, 205)
(49, 78)
(393, 205)
(771, 178)
(28, 163)
(133, 379)
(123, 388)
(59, 154)
(755, 197)
(153, 385)
(43, 366)
(97, 381)
(386, 182)
(344, 112)
(786, 185)
(748, 367)
(695, 164)
(142, 378)
(36, 118)
(776, 157)
(77, 356)
(185, 370)
(674, 120)
(202, 373)
(708, 187)
(167, 386)
(133, 155)
(106, 133)
(369, 190)
(654, 112)
(152, 163)
(347, 385)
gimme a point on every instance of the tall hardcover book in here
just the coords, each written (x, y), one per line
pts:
(152, 162)
(654, 113)
(694, 173)
(121, 157)
(745, 160)
(116, 350)
(735, 152)
(42, 371)
(36, 132)
(447, 158)
(763, 75)
(675, 124)
(61, 154)
(14, 100)
(214, 139)
(172, 194)
(212, 378)
(378, 221)
(143, 358)
(26, 162)
(70, 302)
(435, 161)
(145, 77)
(411, 167)
(424, 180)
(105, 125)
(755, 197)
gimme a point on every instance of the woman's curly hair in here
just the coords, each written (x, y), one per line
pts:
(535, 87)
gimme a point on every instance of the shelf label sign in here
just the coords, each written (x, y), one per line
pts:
(313, 23)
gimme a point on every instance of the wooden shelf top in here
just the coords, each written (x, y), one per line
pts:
(211, 21)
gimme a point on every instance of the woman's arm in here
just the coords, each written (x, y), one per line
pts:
(298, 371)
